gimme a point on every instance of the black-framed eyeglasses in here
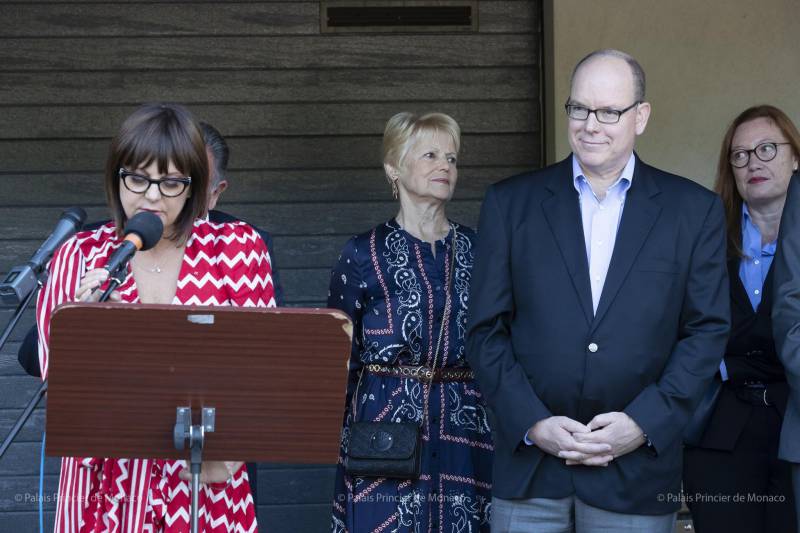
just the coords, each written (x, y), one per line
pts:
(764, 151)
(169, 187)
(603, 115)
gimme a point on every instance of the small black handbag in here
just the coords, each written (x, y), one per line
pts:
(393, 449)
(384, 449)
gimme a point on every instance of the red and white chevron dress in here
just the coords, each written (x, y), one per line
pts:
(224, 264)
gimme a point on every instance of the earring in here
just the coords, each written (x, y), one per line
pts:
(395, 191)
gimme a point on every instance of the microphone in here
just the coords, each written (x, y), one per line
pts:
(142, 232)
(22, 280)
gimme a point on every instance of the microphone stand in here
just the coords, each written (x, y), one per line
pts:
(18, 314)
(42, 389)
(115, 280)
(24, 417)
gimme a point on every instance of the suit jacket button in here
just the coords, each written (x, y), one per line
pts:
(593, 347)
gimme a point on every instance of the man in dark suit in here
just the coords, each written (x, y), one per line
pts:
(599, 313)
(218, 155)
(786, 326)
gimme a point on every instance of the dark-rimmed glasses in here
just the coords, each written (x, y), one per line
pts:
(603, 115)
(169, 187)
(764, 151)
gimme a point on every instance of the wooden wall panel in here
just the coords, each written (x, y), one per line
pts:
(209, 83)
(14, 370)
(329, 118)
(136, 19)
(248, 186)
(300, 218)
(274, 152)
(115, 19)
(303, 113)
(305, 52)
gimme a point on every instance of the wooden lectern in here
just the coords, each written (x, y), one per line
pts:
(119, 375)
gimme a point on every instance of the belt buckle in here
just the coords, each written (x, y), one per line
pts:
(424, 373)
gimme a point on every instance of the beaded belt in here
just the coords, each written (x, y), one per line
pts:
(423, 373)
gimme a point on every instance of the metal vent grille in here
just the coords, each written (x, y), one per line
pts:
(393, 16)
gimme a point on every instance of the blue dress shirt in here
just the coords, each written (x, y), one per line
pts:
(600, 219)
(753, 267)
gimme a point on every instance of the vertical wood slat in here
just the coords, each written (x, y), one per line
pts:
(304, 113)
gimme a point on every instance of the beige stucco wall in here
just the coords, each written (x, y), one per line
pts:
(705, 62)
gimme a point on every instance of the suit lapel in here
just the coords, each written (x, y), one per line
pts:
(738, 292)
(638, 216)
(766, 291)
(563, 214)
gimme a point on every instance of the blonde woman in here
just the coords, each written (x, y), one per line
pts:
(405, 284)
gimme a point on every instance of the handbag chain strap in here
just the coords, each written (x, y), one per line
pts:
(445, 319)
(448, 300)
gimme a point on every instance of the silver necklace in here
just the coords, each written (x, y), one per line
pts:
(155, 269)
(166, 258)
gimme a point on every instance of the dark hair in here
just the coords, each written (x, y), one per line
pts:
(725, 184)
(639, 81)
(162, 133)
(216, 144)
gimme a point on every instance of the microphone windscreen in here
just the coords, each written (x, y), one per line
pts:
(147, 226)
(75, 214)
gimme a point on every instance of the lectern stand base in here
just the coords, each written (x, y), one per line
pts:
(195, 434)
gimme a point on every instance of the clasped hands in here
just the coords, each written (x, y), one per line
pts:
(606, 437)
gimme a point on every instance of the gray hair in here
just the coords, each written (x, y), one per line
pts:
(216, 144)
(636, 69)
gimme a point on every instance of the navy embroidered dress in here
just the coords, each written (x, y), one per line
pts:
(394, 288)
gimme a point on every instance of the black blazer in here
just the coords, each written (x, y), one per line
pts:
(650, 350)
(749, 356)
(786, 316)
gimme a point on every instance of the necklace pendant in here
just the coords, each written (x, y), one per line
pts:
(156, 270)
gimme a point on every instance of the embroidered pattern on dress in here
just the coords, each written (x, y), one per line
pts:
(374, 256)
(452, 492)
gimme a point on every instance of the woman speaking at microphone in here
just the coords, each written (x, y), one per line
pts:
(157, 163)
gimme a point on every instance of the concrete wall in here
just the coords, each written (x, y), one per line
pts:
(705, 62)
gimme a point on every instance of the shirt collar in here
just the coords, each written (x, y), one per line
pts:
(624, 181)
(751, 237)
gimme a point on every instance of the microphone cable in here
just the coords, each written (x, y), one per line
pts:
(41, 486)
